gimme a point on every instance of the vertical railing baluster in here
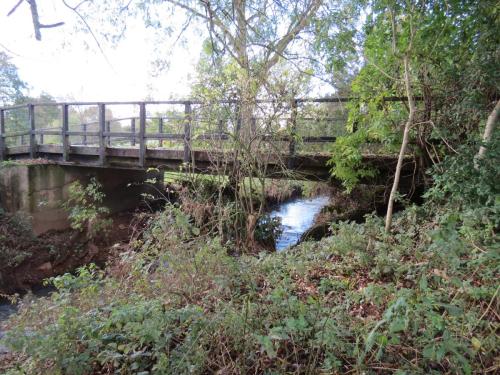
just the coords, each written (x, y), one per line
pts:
(64, 132)
(293, 131)
(142, 134)
(84, 136)
(2, 135)
(160, 130)
(108, 130)
(132, 130)
(102, 128)
(187, 132)
(31, 117)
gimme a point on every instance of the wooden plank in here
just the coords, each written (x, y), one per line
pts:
(187, 132)
(2, 135)
(164, 136)
(160, 130)
(16, 134)
(132, 130)
(180, 102)
(120, 135)
(47, 132)
(84, 135)
(64, 132)
(50, 149)
(106, 133)
(17, 150)
(85, 150)
(90, 134)
(31, 119)
(102, 129)
(142, 134)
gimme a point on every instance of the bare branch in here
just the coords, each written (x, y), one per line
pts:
(15, 7)
(42, 26)
(36, 19)
(293, 31)
(75, 9)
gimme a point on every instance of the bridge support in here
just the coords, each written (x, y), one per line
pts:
(37, 190)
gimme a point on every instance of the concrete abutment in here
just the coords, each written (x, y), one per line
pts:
(37, 190)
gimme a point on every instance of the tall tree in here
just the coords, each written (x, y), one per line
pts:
(12, 87)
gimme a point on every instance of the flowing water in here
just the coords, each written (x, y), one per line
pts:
(297, 216)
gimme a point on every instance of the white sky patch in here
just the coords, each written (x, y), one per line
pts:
(61, 65)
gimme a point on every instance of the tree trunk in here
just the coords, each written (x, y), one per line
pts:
(404, 144)
(488, 132)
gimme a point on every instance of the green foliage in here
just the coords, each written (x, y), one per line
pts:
(84, 206)
(469, 194)
(12, 88)
(453, 58)
(267, 230)
(419, 301)
(13, 228)
(347, 160)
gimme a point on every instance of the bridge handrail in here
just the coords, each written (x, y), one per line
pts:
(198, 101)
(104, 132)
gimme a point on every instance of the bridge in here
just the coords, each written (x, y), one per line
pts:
(169, 134)
(123, 144)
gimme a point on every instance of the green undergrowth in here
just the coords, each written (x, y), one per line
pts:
(13, 250)
(422, 300)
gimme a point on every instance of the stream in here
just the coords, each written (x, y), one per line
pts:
(7, 309)
(297, 216)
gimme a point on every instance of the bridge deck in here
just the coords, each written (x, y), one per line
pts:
(201, 151)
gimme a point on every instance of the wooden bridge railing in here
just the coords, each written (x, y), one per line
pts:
(139, 138)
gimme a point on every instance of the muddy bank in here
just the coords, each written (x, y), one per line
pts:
(363, 200)
(26, 260)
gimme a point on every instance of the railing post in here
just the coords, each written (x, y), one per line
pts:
(31, 117)
(160, 130)
(102, 128)
(132, 130)
(84, 136)
(64, 132)
(142, 134)
(2, 135)
(293, 131)
(187, 132)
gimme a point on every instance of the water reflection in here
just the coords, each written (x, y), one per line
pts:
(297, 216)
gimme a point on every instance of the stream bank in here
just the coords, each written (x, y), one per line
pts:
(26, 260)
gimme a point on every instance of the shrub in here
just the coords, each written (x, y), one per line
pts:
(84, 206)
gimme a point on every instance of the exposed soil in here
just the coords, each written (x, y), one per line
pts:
(28, 260)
